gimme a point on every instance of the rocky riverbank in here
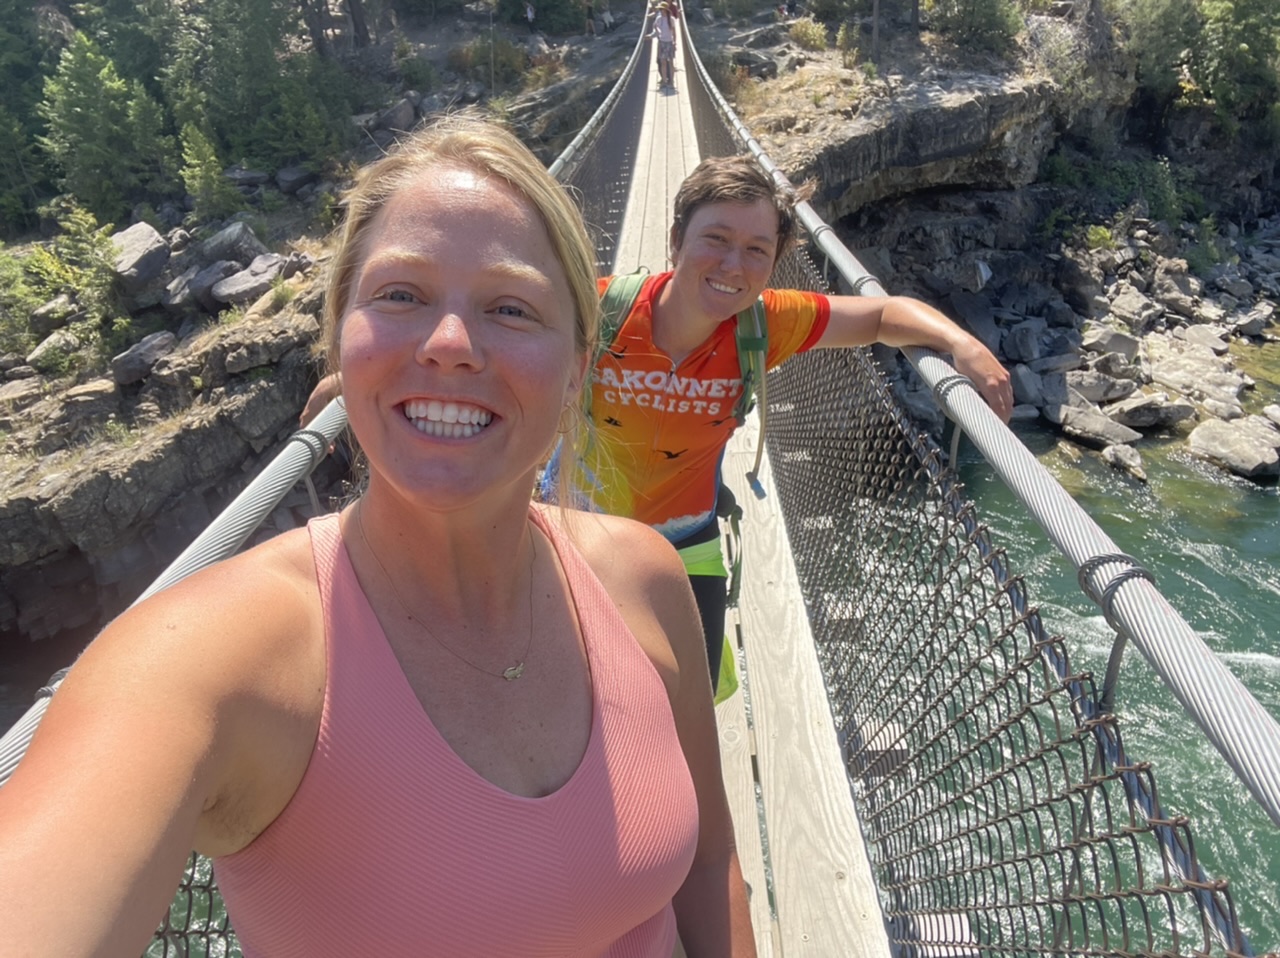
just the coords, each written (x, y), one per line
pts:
(928, 175)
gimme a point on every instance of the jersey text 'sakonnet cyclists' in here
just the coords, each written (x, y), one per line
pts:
(661, 432)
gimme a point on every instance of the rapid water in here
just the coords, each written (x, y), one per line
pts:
(1213, 543)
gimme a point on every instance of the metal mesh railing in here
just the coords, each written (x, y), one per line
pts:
(1001, 809)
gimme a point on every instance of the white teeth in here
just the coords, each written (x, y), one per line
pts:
(719, 288)
(447, 419)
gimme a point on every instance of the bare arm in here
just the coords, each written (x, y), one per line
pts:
(902, 321)
(327, 389)
(142, 747)
(653, 593)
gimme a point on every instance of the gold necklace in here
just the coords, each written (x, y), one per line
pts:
(511, 673)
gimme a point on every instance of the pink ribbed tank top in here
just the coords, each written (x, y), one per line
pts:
(393, 846)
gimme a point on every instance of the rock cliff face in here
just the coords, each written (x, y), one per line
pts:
(85, 529)
(972, 132)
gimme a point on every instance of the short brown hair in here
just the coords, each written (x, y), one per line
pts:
(736, 179)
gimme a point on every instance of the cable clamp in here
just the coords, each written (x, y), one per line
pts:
(862, 281)
(946, 384)
(306, 436)
(1106, 599)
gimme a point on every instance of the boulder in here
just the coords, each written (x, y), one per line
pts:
(178, 296)
(1022, 343)
(134, 364)
(1057, 363)
(1116, 366)
(242, 177)
(1098, 387)
(758, 65)
(1126, 459)
(1240, 447)
(1254, 322)
(48, 355)
(1175, 289)
(1103, 339)
(141, 254)
(1193, 370)
(250, 283)
(55, 314)
(293, 178)
(1080, 280)
(1091, 427)
(202, 284)
(236, 242)
(973, 310)
(1135, 310)
(1213, 338)
(1059, 313)
(1152, 410)
(397, 118)
(1027, 388)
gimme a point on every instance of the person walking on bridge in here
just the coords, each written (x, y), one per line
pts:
(664, 29)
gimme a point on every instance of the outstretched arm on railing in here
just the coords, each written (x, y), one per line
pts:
(903, 321)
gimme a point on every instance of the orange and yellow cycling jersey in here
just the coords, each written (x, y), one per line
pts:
(661, 431)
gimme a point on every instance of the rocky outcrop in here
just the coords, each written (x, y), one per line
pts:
(134, 465)
(978, 132)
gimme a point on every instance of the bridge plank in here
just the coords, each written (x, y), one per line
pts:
(825, 895)
(666, 153)
(737, 752)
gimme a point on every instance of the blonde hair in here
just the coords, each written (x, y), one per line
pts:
(467, 140)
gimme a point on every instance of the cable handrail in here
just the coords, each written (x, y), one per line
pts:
(223, 537)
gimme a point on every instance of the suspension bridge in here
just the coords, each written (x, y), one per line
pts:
(915, 767)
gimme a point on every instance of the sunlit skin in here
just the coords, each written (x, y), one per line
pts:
(462, 312)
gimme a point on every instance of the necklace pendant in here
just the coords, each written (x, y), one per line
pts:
(514, 672)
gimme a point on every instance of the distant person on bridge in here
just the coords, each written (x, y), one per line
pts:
(664, 29)
(445, 721)
(529, 14)
(663, 390)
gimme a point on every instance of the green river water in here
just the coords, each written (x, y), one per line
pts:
(1213, 544)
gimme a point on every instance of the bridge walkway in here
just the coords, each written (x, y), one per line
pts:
(800, 843)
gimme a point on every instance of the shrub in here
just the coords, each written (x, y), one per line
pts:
(472, 61)
(1099, 237)
(847, 44)
(985, 24)
(808, 34)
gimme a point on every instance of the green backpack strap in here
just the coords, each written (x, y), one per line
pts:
(615, 305)
(753, 350)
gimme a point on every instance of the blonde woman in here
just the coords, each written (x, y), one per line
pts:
(442, 722)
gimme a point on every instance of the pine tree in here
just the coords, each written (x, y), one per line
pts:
(202, 174)
(104, 133)
(86, 106)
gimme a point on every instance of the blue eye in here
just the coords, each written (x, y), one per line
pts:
(399, 296)
(511, 310)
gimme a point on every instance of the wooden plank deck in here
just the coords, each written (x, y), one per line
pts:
(787, 787)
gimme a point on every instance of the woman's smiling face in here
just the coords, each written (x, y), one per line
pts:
(726, 257)
(457, 349)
